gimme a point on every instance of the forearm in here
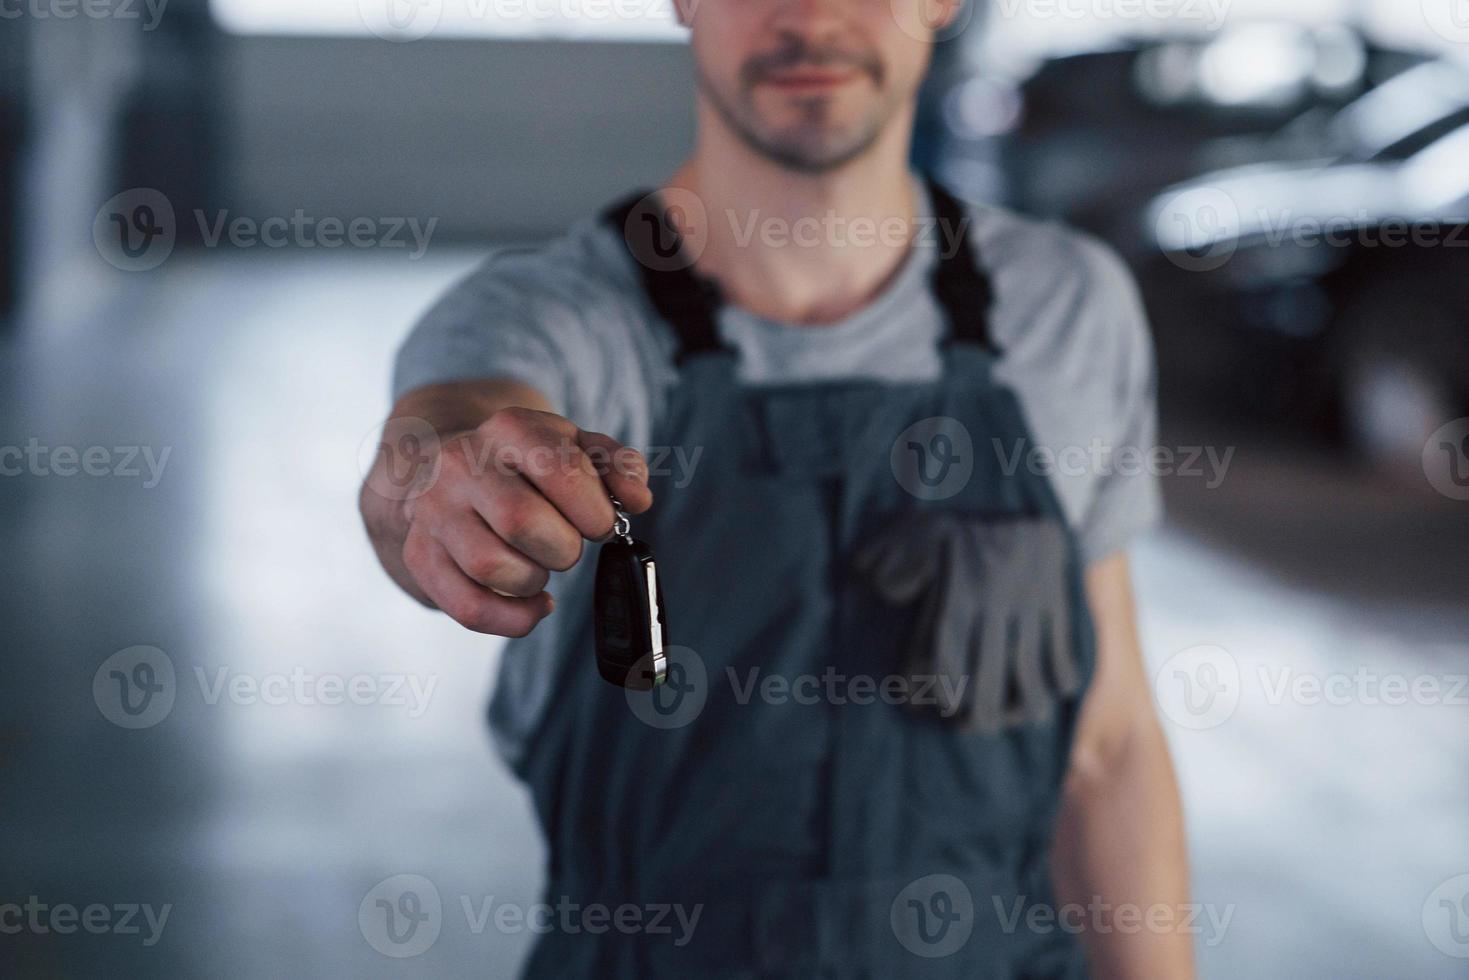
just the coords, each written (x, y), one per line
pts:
(447, 410)
(1120, 850)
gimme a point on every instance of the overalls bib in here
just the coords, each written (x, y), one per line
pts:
(784, 783)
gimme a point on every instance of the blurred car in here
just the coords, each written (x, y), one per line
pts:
(1114, 126)
(1393, 120)
(1333, 290)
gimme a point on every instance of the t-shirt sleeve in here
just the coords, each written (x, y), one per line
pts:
(1126, 500)
(501, 321)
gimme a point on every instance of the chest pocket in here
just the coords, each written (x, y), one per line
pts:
(992, 618)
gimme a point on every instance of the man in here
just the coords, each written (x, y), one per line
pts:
(909, 722)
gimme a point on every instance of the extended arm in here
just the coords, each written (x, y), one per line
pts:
(1120, 839)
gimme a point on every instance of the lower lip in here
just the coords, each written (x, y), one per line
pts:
(808, 83)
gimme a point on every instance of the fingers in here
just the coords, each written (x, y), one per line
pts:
(514, 500)
(531, 524)
(624, 471)
(548, 452)
(466, 602)
(486, 559)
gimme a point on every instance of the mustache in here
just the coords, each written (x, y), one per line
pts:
(796, 52)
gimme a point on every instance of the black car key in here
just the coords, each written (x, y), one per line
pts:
(632, 631)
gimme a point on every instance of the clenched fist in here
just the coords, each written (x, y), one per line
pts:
(474, 522)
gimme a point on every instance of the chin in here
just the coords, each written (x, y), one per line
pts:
(816, 148)
(809, 135)
(808, 156)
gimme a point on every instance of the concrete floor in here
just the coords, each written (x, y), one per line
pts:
(1321, 829)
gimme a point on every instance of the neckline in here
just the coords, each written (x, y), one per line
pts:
(910, 280)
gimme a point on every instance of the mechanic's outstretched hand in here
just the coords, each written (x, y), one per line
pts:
(474, 522)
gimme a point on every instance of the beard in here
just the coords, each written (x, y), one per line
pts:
(816, 141)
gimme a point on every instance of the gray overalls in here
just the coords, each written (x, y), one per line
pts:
(845, 553)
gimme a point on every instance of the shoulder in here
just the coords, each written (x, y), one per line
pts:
(565, 315)
(1076, 350)
(577, 275)
(1064, 300)
(1044, 268)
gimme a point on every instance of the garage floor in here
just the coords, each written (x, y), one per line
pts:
(1321, 829)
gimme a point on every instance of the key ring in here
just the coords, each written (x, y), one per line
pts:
(622, 527)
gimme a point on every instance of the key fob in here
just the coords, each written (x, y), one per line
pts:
(632, 632)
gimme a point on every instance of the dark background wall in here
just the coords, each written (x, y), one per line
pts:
(494, 139)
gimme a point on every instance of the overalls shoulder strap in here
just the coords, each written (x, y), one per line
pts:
(960, 283)
(690, 303)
